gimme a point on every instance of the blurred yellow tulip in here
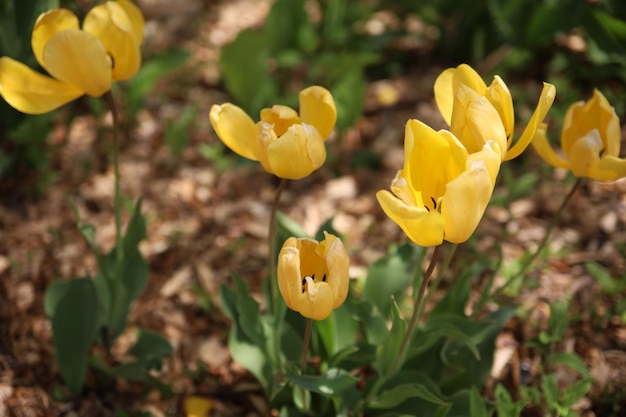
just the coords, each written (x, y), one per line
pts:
(313, 277)
(286, 144)
(447, 86)
(81, 61)
(590, 141)
(442, 191)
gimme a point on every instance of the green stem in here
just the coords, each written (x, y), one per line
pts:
(544, 241)
(418, 308)
(444, 267)
(116, 171)
(305, 353)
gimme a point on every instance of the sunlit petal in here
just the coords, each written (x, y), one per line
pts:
(316, 302)
(584, 155)
(288, 273)
(468, 76)
(544, 149)
(236, 129)
(444, 93)
(485, 124)
(317, 108)
(31, 92)
(331, 249)
(545, 102)
(500, 96)
(609, 168)
(490, 155)
(280, 117)
(47, 25)
(79, 58)
(297, 153)
(136, 19)
(421, 226)
(465, 201)
(110, 23)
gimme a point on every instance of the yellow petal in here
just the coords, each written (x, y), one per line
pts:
(136, 19)
(444, 93)
(316, 302)
(31, 92)
(584, 155)
(545, 102)
(288, 272)
(609, 168)
(421, 226)
(110, 23)
(490, 155)
(544, 149)
(317, 108)
(280, 117)
(297, 153)
(465, 201)
(47, 25)
(197, 406)
(236, 129)
(485, 124)
(78, 58)
(466, 75)
(500, 96)
(333, 252)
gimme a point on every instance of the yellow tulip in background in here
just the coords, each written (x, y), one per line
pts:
(287, 144)
(313, 277)
(442, 191)
(590, 141)
(448, 84)
(80, 61)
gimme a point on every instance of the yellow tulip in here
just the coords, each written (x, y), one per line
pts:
(287, 144)
(590, 141)
(447, 86)
(313, 276)
(81, 62)
(442, 191)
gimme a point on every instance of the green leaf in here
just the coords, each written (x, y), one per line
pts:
(550, 389)
(606, 281)
(478, 408)
(150, 348)
(391, 275)
(572, 361)
(73, 308)
(349, 94)
(373, 323)
(327, 226)
(248, 311)
(387, 353)
(559, 320)
(575, 392)
(397, 395)
(333, 382)
(288, 227)
(338, 331)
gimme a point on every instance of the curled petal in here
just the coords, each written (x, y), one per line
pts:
(110, 23)
(280, 117)
(78, 58)
(331, 249)
(545, 102)
(236, 129)
(465, 201)
(500, 96)
(288, 273)
(490, 155)
(31, 92)
(297, 153)
(421, 226)
(317, 108)
(609, 168)
(466, 75)
(544, 149)
(444, 93)
(316, 302)
(584, 155)
(47, 25)
(485, 125)
(136, 19)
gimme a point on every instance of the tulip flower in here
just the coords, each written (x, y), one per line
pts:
(313, 276)
(590, 141)
(443, 190)
(287, 144)
(80, 61)
(447, 86)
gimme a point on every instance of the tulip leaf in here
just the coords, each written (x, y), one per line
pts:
(337, 332)
(74, 311)
(333, 382)
(391, 275)
(388, 352)
(150, 348)
(374, 324)
(391, 398)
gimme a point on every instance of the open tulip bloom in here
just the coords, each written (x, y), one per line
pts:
(287, 144)
(443, 190)
(80, 61)
(313, 277)
(450, 81)
(590, 141)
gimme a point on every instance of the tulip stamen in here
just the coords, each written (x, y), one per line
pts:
(324, 278)
(426, 207)
(434, 202)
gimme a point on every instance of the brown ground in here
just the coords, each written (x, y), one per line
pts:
(204, 221)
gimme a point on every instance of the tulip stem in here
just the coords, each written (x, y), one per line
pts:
(305, 353)
(544, 241)
(116, 172)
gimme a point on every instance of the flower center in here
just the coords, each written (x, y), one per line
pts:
(305, 281)
(433, 206)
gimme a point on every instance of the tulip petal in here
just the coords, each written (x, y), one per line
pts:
(79, 58)
(317, 108)
(490, 155)
(421, 226)
(486, 125)
(609, 168)
(500, 96)
(465, 201)
(544, 149)
(280, 117)
(136, 19)
(236, 129)
(545, 102)
(31, 92)
(48, 24)
(297, 153)
(316, 302)
(584, 155)
(110, 23)
(288, 272)
(466, 75)
(331, 249)
(444, 93)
